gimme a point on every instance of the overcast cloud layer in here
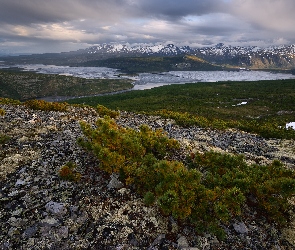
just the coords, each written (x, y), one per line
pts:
(37, 26)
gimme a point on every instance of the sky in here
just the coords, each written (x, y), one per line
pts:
(41, 26)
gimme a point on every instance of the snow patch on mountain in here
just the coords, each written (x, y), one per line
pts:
(217, 50)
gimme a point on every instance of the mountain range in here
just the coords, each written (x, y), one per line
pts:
(252, 57)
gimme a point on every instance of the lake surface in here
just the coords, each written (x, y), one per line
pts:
(151, 80)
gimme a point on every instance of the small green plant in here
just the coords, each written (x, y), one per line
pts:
(4, 139)
(149, 198)
(9, 101)
(271, 185)
(2, 112)
(102, 111)
(46, 106)
(68, 172)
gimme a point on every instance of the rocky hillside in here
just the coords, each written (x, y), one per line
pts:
(39, 210)
(251, 57)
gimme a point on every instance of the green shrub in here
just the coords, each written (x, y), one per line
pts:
(4, 139)
(68, 172)
(270, 129)
(9, 101)
(206, 189)
(184, 119)
(102, 111)
(271, 185)
(149, 198)
(46, 106)
(121, 149)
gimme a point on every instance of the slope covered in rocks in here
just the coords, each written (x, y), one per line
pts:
(39, 210)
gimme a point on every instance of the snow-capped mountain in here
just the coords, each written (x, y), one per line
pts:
(252, 56)
(141, 49)
(255, 57)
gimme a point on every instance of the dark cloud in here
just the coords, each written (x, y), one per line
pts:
(55, 24)
(35, 11)
(178, 9)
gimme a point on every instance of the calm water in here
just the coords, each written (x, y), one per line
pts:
(149, 80)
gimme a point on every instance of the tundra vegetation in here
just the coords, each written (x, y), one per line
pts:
(261, 107)
(206, 189)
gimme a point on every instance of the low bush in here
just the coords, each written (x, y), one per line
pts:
(271, 185)
(206, 189)
(9, 101)
(46, 106)
(102, 111)
(4, 139)
(68, 172)
(270, 129)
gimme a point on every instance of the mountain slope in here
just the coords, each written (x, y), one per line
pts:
(274, 57)
(154, 64)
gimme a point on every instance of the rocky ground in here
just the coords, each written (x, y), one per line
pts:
(38, 210)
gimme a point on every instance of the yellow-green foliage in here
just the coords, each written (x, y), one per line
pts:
(139, 158)
(121, 148)
(206, 188)
(187, 119)
(9, 101)
(4, 139)
(266, 129)
(271, 185)
(68, 172)
(102, 111)
(184, 119)
(2, 112)
(46, 106)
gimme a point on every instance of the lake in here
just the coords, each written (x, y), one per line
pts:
(151, 80)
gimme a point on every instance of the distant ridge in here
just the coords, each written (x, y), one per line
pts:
(252, 57)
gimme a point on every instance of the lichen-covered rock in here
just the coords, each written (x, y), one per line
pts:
(39, 210)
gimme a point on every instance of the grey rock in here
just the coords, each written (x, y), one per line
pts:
(49, 221)
(182, 242)
(240, 228)
(30, 231)
(157, 241)
(63, 232)
(114, 182)
(56, 208)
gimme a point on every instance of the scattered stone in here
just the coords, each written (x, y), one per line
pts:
(158, 241)
(114, 182)
(182, 242)
(240, 228)
(30, 231)
(40, 211)
(56, 208)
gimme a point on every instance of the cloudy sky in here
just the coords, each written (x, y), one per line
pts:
(37, 26)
